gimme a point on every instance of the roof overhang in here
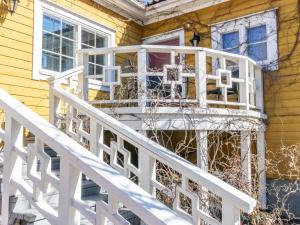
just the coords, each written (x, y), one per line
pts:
(141, 14)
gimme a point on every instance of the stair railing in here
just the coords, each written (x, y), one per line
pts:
(74, 162)
(88, 125)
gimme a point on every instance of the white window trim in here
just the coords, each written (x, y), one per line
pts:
(44, 6)
(268, 18)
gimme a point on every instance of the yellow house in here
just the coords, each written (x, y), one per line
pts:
(43, 40)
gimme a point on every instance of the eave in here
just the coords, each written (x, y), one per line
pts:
(141, 14)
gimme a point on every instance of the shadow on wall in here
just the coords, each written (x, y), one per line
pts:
(3, 11)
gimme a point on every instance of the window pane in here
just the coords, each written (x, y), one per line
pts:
(68, 30)
(258, 52)
(51, 42)
(100, 42)
(91, 69)
(66, 64)
(233, 50)
(257, 34)
(91, 58)
(50, 61)
(99, 70)
(51, 24)
(88, 38)
(67, 47)
(231, 40)
(100, 59)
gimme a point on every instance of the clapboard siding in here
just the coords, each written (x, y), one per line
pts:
(282, 87)
(16, 47)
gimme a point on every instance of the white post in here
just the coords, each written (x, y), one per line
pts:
(12, 165)
(202, 149)
(97, 132)
(147, 165)
(142, 77)
(230, 214)
(200, 78)
(70, 188)
(246, 156)
(83, 81)
(244, 87)
(54, 104)
(259, 89)
(261, 167)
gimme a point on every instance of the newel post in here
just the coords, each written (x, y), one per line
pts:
(83, 82)
(69, 190)
(142, 77)
(54, 103)
(200, 78)
(231, 215)
(13, 163)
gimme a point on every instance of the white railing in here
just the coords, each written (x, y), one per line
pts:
(90, 127)
(74, 162)
(202, 77)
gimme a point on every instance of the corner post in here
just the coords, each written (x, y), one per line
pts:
(246, 157)
(259, 89)
(142, 77)
(83, 81)
(54, 103)
(261, 167)
(230, 214)
(244, 87)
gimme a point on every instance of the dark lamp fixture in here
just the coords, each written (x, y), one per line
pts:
(196, 39)
(12, 5)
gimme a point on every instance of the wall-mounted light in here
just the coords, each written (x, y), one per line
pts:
(12, 5)
(196, 39)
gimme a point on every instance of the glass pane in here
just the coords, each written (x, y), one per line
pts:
(66, 64)
(51, 42)
(51, 24)
(91, 58)
(99, 70)
(88, 38)
(91, 69)
(100, 59)
(68, 30)
(258, 52)
(100, 42)
(67, 47)
(50, 61)
(257, 34)
(231, 40)
(233, 50)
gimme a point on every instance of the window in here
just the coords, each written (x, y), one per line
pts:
(254, 36)
(58, 33)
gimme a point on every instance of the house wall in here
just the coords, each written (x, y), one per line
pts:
(16, 46)
(282, 87)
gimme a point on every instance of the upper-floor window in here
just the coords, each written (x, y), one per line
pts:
(59, 34)
(254, 36)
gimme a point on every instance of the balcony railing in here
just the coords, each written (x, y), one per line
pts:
(199, 77)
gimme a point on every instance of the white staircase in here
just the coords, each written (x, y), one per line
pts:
(122, 190)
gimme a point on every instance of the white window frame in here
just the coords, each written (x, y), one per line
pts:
(267, 18)
(42, 7)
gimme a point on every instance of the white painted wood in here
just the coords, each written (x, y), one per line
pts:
(259, 92)
(142, 79)
(246, 157)
(201, 78)
(244, 87)
(202, 149)
(261, 150)
(13, 166)
(82, 80)
(230, 214)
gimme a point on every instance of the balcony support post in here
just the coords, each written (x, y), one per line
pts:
(142, 77)
(244, 87)
(246, 157)
(202, 149)
(200, 78)
(259, 89)
(83, 81)
(261, 167)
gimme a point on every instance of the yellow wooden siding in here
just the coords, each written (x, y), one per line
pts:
(282, 87)
(16, 46)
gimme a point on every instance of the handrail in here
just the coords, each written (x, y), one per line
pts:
(65, 75)
(208, 181)
(162, 49)
(72, 154)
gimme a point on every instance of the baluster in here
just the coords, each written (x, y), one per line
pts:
(200, 78)
(142, 77)
(259, 89)
(13, 165)
(96, 133)
(244, 87)
(70, 188)
(54, 104)
(230, 213)
(83, 81)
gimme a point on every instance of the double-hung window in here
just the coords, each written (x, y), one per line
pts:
(59, 33)
(254, 36)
